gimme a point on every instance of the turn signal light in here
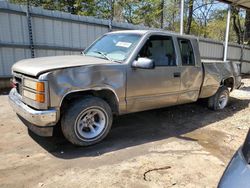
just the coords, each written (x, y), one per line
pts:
(40, 98)
(40, 86)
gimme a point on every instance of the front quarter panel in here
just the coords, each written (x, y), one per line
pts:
(92, 77)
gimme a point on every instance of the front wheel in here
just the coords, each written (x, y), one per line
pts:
(220, 100)
(87, 121)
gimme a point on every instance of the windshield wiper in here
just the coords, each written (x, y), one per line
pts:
(103, 54)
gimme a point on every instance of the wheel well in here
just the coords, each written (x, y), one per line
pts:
(229, 82)
(105, 94)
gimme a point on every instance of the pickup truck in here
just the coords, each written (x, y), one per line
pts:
(121, 72)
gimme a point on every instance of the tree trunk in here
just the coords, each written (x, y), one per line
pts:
(162, 14)
(190, 16)
(247, 26)
(236, 25)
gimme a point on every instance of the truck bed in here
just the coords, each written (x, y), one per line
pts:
(217, 71)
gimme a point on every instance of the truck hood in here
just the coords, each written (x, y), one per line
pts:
(37, 66)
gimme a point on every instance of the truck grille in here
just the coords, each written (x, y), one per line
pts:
(18, 83)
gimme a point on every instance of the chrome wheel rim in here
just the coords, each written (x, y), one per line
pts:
(90, 123)
(223, 100)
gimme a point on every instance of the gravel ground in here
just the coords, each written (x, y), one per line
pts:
(182, 146)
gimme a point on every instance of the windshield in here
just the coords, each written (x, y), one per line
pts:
(114, 47)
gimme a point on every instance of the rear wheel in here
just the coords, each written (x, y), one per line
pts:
(87, 121)
(220, 100)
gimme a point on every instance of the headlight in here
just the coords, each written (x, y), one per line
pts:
(38, 86)
(39, 97)
(34, 90)
(29, 94)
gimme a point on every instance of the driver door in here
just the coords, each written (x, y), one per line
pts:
(158, 87)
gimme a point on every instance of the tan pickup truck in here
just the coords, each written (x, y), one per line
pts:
(121, 72)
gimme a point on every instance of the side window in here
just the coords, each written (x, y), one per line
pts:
(187, 53)
(160, 49)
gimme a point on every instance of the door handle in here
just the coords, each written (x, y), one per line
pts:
(177, 74)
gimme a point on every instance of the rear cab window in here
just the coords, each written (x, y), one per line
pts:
(187, 52)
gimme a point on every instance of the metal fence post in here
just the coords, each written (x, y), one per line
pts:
(30, 30)
(182, 17)
(227, 33)
(111, 14)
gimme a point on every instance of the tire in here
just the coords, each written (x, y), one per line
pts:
(87, 121)
(220, 100)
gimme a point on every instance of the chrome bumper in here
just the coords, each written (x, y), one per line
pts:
(36, 117)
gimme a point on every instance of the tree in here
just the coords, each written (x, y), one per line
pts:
(190, 16)
(171, 15)
(247, 27)
(203, 13)
(201, 17)
(239, 31)
(149, 13)
(127, 10)
(96, 8)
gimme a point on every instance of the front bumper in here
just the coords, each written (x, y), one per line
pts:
(40, 118)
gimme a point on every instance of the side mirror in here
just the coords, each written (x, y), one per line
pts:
(143, 63)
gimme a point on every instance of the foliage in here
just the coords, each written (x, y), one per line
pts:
(205, 18)
(247, 28)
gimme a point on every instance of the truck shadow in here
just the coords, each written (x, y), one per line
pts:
(144, 127)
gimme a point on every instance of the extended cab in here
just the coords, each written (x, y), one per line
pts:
(121, 72)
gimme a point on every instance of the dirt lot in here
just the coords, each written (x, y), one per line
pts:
(183, 146)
